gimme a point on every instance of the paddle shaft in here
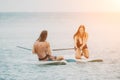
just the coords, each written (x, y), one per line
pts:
(62, 49)
(24, 48)
(52, 49)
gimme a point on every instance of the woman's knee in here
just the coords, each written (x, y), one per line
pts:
(60, 58)
(77, 57)
(87, 56)
(86, 53)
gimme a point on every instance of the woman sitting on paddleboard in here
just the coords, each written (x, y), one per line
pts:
(42, 48)
(80, 40)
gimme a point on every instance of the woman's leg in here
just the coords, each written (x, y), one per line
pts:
(86, 53)
(78, 54)
(59, 58)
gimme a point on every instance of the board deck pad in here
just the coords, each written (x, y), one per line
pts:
(70, 60)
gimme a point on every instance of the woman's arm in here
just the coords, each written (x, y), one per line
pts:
(49, 49)
(33, 49)
(75, 42)
(85, 40)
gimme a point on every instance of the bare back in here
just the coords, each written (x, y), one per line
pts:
(41, 49)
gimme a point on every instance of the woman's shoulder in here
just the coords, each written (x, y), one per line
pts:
(36, 42)
(76, 37)
(47, 42)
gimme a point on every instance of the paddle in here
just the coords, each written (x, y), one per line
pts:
(52, 49)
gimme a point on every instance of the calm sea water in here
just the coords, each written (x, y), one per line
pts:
(22, 29)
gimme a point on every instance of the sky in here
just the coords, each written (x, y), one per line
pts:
(59, 5)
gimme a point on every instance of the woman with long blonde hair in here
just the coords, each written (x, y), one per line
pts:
(80, 40)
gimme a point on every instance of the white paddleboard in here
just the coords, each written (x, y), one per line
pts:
(84, 60)
(89, 60)
(63, 62)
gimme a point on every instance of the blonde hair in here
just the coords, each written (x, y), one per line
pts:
(78, 33)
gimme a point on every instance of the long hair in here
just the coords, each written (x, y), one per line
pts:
(43, 36)
(78, 32)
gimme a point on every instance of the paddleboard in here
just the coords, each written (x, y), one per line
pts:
(89, 60)
(66, 61)
(62, 62)
(84, 60)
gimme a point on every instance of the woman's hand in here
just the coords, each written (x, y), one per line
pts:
(75, 48)
(81, 47)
